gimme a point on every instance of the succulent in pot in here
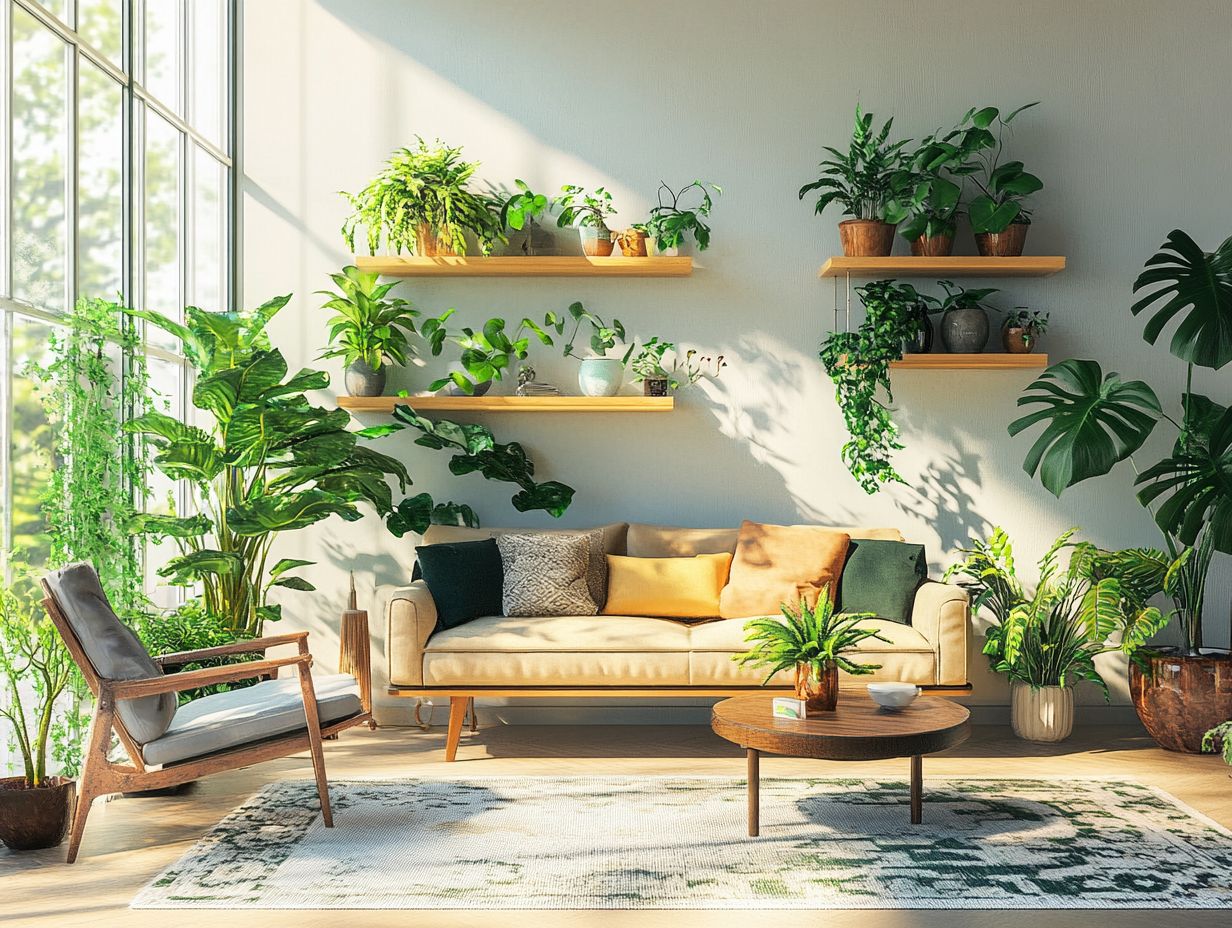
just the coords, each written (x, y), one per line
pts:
(486, 354)
(999, 214)
(871, 182)
(964, 317)
(589, 212)
(670, 224)
(369, 329)
(814, 642)
(651, 368)
(518, 214)
(1022, 329)
(598, 375)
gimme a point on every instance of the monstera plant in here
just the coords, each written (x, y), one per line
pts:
(1093, 421)
(267, 462)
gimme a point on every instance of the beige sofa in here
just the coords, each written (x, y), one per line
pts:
(636, 655)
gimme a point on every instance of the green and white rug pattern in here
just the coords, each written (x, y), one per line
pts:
(680, 843)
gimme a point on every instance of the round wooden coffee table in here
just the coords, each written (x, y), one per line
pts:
(858, 729)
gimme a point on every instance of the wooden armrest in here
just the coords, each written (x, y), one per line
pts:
(250, 646)
(206, 676)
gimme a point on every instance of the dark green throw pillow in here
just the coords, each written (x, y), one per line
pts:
(464, 578)
(881, 577)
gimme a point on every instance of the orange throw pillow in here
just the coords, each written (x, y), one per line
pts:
(778, 564)
(670, 587)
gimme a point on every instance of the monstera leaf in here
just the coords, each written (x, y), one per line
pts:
(1093, 422)
(1197, 285)
(1194, 488)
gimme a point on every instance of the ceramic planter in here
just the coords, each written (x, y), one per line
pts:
(933, 246)
(532, 240)
(656, 386)
(652, 248)
(600, 376)
(362, 380)
(480, 389)
(964, 330)
(632, 243)
(1018, 340)
(31, 819)
(1041, 713)
(1180, 698)
(817, 687)
(1007, 244)
(596, 241)
(922, 343)
(429, 244)
(866, 238)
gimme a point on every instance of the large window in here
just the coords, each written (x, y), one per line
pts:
(115, 140)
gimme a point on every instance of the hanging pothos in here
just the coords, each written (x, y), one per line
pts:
(859, 364)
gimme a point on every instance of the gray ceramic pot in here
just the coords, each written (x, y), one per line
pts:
(965, 330)
(362, 380)
(480, 389)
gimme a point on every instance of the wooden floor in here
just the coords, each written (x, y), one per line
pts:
(129, 840)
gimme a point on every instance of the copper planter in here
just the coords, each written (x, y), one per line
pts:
(632, 243)
(932, 246)
(1181, 698)
(1017, 340)
(429, 243)
(818, 687)
(1007, 244)
(31, 819)
(866, 238)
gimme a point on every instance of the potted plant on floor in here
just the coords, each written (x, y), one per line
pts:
(659, 377)
(1022, 329)
(36, 671)
(964, 317)
(598, 375)
(871, 182)
(519, 212)
(486, 354)
(368, 331)
(670, 224)
(999, 215)
(814, 642)
(1094, 421)
(421, 202)
(589, 212)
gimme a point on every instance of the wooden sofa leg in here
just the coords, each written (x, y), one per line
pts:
(457, 715)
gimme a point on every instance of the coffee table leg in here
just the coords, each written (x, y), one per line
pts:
(917, 789)
(754, 785)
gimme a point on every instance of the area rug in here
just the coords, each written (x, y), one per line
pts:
(680, 843)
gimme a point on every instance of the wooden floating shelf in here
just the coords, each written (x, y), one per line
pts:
(526, 266)
(951, 266)
(971, 362)
(509, 403)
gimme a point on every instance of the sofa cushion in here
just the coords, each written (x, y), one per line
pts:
(645, 540)
(676, 587)
(509, 634)
(545, 574)
(881, 577)
(465, 579)
(254, 713)
(777, 564)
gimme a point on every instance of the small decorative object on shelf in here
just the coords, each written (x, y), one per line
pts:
(1022, 329)
(632, 241)
(786, 707)
(355, 650)
(529, 386)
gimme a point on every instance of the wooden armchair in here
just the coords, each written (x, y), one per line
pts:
(169, 744)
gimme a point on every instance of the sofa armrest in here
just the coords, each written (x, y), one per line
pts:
(942, 614)
(410, 619)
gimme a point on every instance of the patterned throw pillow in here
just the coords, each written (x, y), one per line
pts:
(545, 574)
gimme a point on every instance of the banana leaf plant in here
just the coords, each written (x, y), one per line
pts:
(1093, 421)
(267, 462)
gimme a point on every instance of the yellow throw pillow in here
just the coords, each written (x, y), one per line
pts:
(670, 587)
(778, 564)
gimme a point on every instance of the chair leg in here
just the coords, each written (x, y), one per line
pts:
(457, 714)
(92, 769)
(314, 743)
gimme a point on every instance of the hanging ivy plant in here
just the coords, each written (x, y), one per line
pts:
(859, 364)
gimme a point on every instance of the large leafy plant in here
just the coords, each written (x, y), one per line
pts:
(816, 636)
(669, 223)
(938, 166)
(368, 324)
(1093, 421)
(871, 180)
(1004, 185)
(424, 186)
(267, 462)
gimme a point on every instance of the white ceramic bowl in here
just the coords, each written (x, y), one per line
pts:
(893, 695)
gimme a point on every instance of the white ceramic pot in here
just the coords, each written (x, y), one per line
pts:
(600, 376)
(652, 249)
(1044, 713)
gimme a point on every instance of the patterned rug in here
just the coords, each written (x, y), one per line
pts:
(680, 843)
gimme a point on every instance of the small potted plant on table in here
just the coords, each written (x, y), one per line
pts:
(813, 641)
(999, 215)
(589, 212)
(369, 331)
(1022, 329)
(670, 224)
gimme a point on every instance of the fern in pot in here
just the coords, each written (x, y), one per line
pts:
(368, 331)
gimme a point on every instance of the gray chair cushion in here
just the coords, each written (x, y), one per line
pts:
(227, 720)
(112, 648)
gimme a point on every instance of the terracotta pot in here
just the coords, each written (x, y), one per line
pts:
(1181, 698)
(1007, 244)
(1041, 713)
(866, 238)
(1018, 340)
(428, 242)
(933, 246)
(819, 690)
(31, 819)
(655, 386)
(632, 243)
(596, 241)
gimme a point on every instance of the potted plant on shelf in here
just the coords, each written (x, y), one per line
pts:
(999, 215)
(813, 641)
(36, 670)
(964, 317)
(634, 241)
(421, 202)
(871, 183)
(1094, 421)
(935, 200)
(589, 212)
(1022, 329)
(670, 224)
(650, 367)
(519, 212)
(598, 375)
(369, 330)
(486, 354)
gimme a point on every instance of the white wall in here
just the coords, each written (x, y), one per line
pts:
(1131, 140)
